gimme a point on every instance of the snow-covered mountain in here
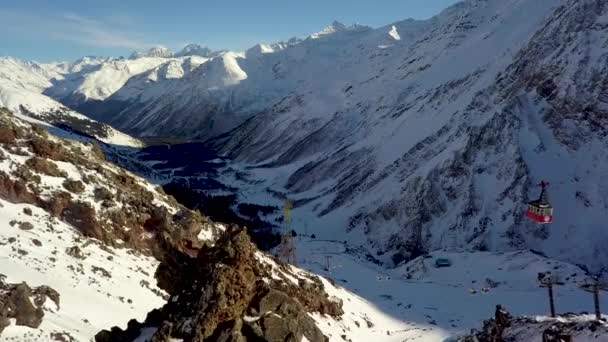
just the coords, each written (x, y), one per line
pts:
(197, 50)
(21, 87)
(437, 140)
(407, 138)
(153, 52)
(105, 247)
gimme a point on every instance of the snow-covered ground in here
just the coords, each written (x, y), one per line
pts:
(106, 287)
(420, 302)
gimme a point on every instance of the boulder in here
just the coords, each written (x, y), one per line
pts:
(24, 304)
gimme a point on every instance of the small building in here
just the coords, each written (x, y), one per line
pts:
(442, 262)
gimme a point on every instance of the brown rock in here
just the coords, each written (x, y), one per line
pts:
(74, 252)
(225, 282)
(15, 191)
(26, 226)
(45, 167)
(103, 194)
(48, 149)
(163, 334)
(57, 203)
(15, 303)
(7, 135)
(74, 186)
(83, 217)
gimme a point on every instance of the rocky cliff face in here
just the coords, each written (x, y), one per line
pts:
(232, 292)
(102, 201)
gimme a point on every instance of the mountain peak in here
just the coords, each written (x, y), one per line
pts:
(195, 50)
(336, 27)
(157, 51)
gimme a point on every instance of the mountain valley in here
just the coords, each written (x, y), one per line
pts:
(124, 182)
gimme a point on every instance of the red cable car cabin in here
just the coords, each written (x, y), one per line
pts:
(541, 210)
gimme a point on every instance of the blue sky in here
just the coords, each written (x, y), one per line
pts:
(45, 30)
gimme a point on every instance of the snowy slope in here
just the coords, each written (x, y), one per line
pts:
(72, 221)
(21, 88)
(197, 96)
(439, 139)
(404, 139)
(442, 302)
(419, 302)
(413, 302)
(89, 300)
(101, 82)
(410, 137)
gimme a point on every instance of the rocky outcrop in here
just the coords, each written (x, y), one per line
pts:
(230, 292)
(493, 329)
(24, 304)
(565, 328)
(130, 214)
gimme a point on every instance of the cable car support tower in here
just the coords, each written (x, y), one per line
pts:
(287, 249)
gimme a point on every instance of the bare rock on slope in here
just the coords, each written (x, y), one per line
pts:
(140, 219)
(227, 293)
(24, 304)
(568, 327)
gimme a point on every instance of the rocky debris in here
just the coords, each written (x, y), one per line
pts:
(74, 186)
(45, 167)
(493, 329)
(24, 304)
(83, 217)
(565, 328)
(15, 191)
(75, 252)
(103, 194)
(226, 293)
(57, 202)
(46, 148)
(8, 133)
(130, 215)
(24, 173)
(27, 211)
(554, 334)
(7, 136)
(63, 336)
(26, 226)
(101, 271)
